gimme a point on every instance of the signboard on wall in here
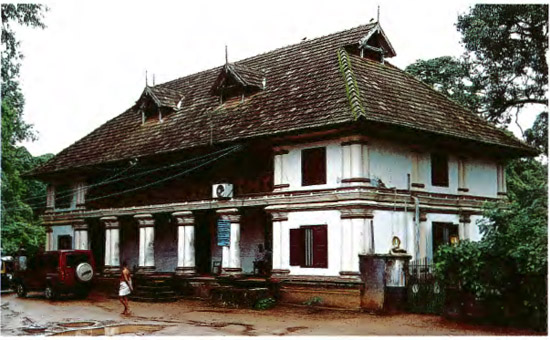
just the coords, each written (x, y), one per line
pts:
(224, 232)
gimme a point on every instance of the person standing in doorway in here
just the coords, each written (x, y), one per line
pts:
(125, 287)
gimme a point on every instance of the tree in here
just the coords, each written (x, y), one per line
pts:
(20, 225)
(506, 52)
(504, 69)
(508, 268)
(449, 76)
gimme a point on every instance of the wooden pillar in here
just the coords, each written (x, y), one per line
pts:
(80, 235)
(279, 220)
(146, 224)
(50, 198)
(279, 171)
(417, 180)
(356, 239)
(112, 244)
(464, 227)
(355, 161)
(462, 184)
(501, 180)
(185, 223)
(231, 255)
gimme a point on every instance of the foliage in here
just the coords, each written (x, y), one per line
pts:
(506, 53)
(20, 226)
(537, 135)
(266, 303)
(451, 77)
(508, 267)
(504, 67)
(314, 301)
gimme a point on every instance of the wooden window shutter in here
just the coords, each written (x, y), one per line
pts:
(296, 247)
(440, 170)
(314, 166)
(320, 246)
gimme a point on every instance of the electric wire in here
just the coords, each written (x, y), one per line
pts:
(113, 179)
(231, 149)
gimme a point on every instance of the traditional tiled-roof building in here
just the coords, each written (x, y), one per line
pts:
(318, 151)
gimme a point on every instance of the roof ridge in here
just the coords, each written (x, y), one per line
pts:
(352, 91)
(373, 24)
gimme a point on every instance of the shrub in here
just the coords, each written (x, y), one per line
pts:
(266, 303)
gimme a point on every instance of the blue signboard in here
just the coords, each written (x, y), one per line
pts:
(224, 232)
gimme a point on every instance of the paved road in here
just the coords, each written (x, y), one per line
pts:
(193, 317)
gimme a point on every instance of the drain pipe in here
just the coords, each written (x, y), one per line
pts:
(416, 219)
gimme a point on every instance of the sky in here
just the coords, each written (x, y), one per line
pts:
(89, 64)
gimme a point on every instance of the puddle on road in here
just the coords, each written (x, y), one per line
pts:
(35, 330)
(113, 330)
(77, 324)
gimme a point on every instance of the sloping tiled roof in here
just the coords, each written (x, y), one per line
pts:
(304, 89)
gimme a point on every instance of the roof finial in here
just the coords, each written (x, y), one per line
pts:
(378, 14)
(226, 62)
(153, 79)
(146, 82)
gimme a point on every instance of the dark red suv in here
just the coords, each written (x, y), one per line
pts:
(55, 272)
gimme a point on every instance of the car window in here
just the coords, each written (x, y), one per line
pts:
(74, 260)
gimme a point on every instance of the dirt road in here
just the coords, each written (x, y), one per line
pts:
(193, 317)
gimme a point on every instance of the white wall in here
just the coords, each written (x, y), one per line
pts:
(481, 177)
(329, 217)
(388, 224)
(391, 163)
(292, 166)
(62, 230)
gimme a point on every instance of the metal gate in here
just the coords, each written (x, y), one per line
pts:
(425, 294)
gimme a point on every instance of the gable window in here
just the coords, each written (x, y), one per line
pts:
(443, 233)
(440, 170)
(309, 246)
(314, 166)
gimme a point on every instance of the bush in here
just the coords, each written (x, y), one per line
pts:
(264, 304)
(507, 269)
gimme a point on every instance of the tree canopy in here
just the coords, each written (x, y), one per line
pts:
(20, 224)
(503, 69)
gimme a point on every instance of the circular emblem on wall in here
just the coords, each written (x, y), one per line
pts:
(437, 290)
(415, 288)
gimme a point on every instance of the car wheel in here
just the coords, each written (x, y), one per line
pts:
(21, 290)
(50, 293)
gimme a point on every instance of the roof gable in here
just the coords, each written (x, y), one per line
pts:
(239, 75)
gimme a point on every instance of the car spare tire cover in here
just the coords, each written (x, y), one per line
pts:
(84, 272)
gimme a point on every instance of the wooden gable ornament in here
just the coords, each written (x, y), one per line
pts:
(235, 80)
(375, 45)
(156, 101)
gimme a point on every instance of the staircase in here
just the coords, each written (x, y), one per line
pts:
(154, 288)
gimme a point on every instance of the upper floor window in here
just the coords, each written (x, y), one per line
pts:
(440, 170)
(314, 166)
(64, 196)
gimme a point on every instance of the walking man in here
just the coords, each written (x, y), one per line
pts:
(125, 287)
